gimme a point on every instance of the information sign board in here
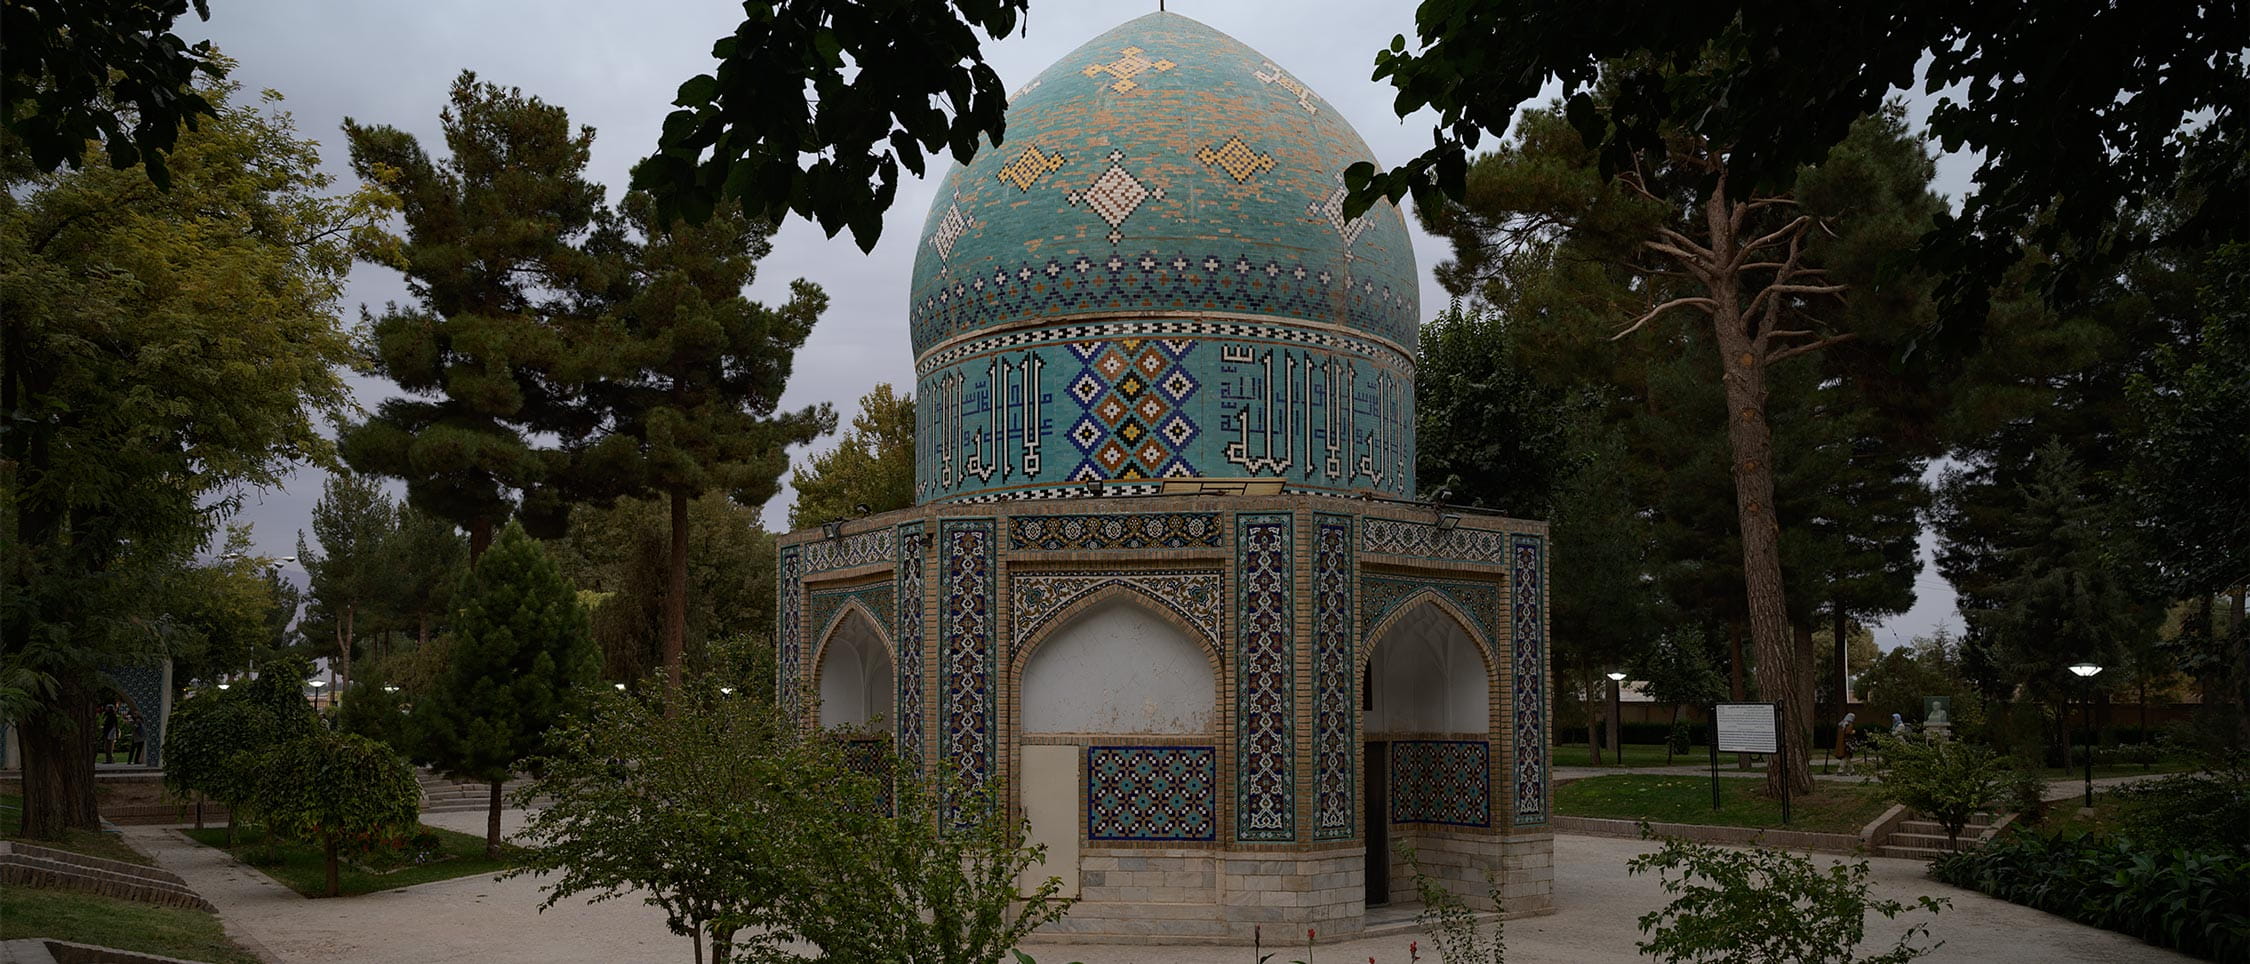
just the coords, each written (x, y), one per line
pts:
(1747, 727)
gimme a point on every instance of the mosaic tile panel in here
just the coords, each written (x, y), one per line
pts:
(967, 722)
(824, 606)
(873, 759)
(1195, 595)
(1441, 781)
(1528, 610)
(790, 627)
(1151, 793)
(1335, 707)
(913, 544)
(1383, 595)
(1426, 540)
(1265, 694)
(1150, 530)
(143, 687)
(857, 549)
(1061, 415)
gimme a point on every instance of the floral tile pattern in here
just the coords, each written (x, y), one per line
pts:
(1151, 793)
(1265, 698)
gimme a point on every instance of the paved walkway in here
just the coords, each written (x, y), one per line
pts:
(2058, 788)
(478, 919)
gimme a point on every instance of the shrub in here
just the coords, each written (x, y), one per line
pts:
(340, 791)
(1945, 780)
(213, 747)
(2190, 899)
(2210, 809)
(1762, 905)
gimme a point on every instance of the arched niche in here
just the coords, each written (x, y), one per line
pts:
(855, 670)
(1118, 666)
(1426, 674)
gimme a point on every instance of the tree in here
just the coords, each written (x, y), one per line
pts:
(1724, 908)
(1490, 432)
(352, 520)
(338, 789)
(688, 375)
(1678, 670)
(521, 661)
(623, 552)
(1949, 781)
(165, 354)
(86, 72)
(883, 84)
(420, 561)
(870, 470)
(1897, 681)
(217, 614)
(2062, 153)
(213, 745)
(1753, 263)
(490, 261)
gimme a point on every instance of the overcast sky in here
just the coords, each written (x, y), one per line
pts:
(616, 65)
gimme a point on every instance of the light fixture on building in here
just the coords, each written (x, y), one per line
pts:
(1447, 522)
(1616, 676)
(830, 530)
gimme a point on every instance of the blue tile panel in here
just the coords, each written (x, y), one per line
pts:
(790, 628)
(1335, 707)
(1479, 601)
(1441, 781)
(913, 547)
(825, 606)
(1145, 530)
(1151, 792)
(1162, 167)
(967, 721)
(1049, 411)
(1529, 686)
(1266, 697)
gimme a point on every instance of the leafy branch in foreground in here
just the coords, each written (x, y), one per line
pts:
(1762, 905)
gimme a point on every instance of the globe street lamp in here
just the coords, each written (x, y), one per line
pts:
(2086, 672)
(1615, 745)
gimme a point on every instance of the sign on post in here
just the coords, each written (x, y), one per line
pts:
(1747, 727)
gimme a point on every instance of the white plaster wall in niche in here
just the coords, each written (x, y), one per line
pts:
(1118, 668)
(1427, 677)
(855, 674)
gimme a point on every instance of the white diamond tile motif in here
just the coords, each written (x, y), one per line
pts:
(1114, 196)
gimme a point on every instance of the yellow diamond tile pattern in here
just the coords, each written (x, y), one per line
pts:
(1128, 65)
(1237, 159)
(1029, 167)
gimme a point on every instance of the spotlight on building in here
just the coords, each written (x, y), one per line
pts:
(830, 530)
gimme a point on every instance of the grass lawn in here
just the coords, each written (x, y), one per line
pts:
(89, 919)
(1638, 755)
(298, 864)
(1834, 808)
(92, 843)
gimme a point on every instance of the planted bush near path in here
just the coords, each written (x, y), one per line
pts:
(2187, 899)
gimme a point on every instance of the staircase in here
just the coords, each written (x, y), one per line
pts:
(1925, 839)
(443, 795)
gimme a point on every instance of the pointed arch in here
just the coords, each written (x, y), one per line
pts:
(1468, 625)
(1124, 668)
(869, 691)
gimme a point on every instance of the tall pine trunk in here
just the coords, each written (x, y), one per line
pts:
(57, 739)
(675, 599)
(480, 539)
(1593, 729)
(1842, 684)
(492, 824)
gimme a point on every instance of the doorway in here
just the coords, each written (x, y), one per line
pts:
(1377, 782)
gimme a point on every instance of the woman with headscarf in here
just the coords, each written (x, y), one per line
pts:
(1844, 741)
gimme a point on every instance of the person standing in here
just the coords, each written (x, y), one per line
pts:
(109, 731)
(1844, 742)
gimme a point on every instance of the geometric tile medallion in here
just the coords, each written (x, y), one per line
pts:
(1441, 781)
(1114, 196)
(1151, 792)
(1128, 65)
(1172, 530)
(1236, 159)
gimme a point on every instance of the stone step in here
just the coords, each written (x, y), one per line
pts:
(1930, 841)
(1912, 853)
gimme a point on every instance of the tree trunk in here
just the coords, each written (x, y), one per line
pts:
(1842, 688)
(421, 629)
(57, 738)
(1593, 730)
(1616, 745)
(1735, 689)
(492, 824)
(675, 602)
(1677, 709)
(1751, 441)
(328, 848)
(480, 539)
(350, 610)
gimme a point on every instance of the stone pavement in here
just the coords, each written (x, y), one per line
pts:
(2058, 788)
(478, 919)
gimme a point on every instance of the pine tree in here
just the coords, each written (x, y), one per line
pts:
(2060, 596)
(687, 375)
(521, 661)
(352, 520)
(490, 259)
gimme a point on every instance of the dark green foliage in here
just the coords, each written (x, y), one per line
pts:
(213, 745)
(2193, 453)
(2179, 897)
(619, 555)
(816, 104)
(2206, 809)
(489, 259)
(1492, 434)
(343, 791)
(872, 465)
(1767, 906)
(375, 707)
(1932, 666)
(521, 661)
(1948, 781)
(351, 520)
(2075, 109)
(111, 72)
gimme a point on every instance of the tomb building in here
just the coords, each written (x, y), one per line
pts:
(1167, 583)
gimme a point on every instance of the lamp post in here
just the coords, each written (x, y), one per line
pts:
(2086, 671)
(1616, 677)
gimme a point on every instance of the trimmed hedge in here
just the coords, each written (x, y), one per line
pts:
(2191, 900)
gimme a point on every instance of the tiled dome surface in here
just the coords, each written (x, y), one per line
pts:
(1162, 168)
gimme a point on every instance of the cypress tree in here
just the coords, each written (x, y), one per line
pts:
(521, 661)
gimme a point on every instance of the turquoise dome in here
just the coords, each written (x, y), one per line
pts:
(1152, 278)
(1163, 166)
